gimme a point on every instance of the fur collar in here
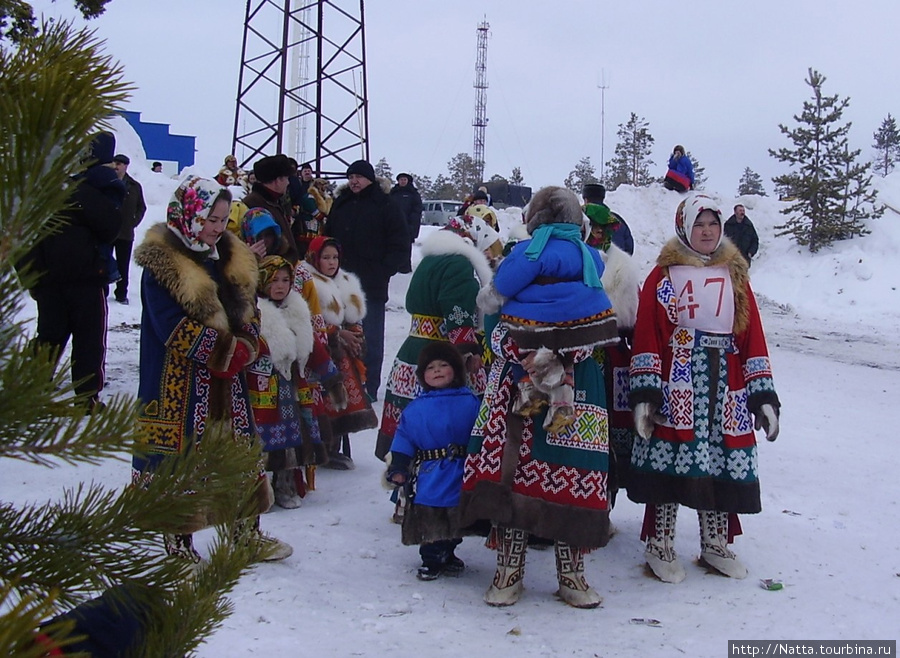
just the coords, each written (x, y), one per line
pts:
(288, 331)
(224, 307)
(622, 284)
(341, 299)
(444, 242)
(674, 252)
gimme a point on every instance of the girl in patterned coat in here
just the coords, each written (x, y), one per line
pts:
(700, 382)
(343, 307)
(291, 438)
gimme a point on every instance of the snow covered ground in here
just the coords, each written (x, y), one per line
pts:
(828, 529)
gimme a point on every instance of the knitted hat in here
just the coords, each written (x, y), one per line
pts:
(593, 192)
(268, 268)
(122, 159)
(189, 208)
(553, 205)
(314, 251)
(255, 221)
(688, 211)
(445, 352)
(362, 168)
(271, 167)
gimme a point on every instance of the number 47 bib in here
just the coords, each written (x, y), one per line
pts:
(704, 297)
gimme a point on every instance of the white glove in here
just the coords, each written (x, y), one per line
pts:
(767, 419)
(646, 417)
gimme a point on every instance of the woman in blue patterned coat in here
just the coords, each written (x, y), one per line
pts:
(199, 329)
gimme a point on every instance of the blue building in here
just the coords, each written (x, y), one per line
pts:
(159, 144)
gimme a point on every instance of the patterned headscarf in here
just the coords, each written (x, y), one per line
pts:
(188, 210)
(600, 216)
(687, 213)
(268, 267)
(475, 231)
(314, 251)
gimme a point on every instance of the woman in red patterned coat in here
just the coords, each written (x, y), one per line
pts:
(700, 377)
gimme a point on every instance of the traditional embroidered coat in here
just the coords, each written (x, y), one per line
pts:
(274, 378)
(699, 354)
(343, 306)
(194, 308)
(518, 476)
(441, 300)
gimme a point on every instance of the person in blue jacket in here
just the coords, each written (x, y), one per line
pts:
(427, 457)
(680, 176)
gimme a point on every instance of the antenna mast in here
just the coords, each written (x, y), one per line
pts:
(603, 87)
(481, 85)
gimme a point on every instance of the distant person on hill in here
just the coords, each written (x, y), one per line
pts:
(680, 176)
(230, 174)
(619, 230)
(740, 230)
(156, 168)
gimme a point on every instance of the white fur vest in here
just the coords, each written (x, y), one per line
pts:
(341, 298)
(287, 330)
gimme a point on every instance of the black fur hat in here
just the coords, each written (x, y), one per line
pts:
(444, 352)
(271, 167)
(593, 192)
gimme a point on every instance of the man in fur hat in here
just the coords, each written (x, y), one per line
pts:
(375, 241)
(272, 176)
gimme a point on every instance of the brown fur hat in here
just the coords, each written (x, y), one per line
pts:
(553, 205)
(444, 352)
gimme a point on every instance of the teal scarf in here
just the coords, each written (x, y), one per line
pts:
(572, 233)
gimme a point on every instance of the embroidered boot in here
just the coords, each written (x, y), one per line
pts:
(660, 549)
(573, 589)
(507, 585)
(714, 549)
(269, 549)
(285, 486)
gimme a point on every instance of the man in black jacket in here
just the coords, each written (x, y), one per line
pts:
(133, 209)
(407, 197)
(740, 230)
(375, 245)
(72, 267)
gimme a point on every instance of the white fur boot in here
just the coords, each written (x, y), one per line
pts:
(660, 549)
(714, 549)
(507, 586)
(573, 589)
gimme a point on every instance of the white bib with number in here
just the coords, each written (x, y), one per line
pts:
(705, 297)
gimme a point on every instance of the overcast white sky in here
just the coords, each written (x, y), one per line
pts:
(717, 76)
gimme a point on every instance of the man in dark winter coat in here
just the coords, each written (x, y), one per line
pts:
(740, 230)
(375, 245)
(72, 268)
(405, 194)
(272, 175)
(133, 209)
(596, 193)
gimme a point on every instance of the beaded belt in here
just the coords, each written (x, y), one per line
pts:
(452, 451)
(690, 338)
(428, 326)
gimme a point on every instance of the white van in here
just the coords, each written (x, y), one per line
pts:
(439, 213)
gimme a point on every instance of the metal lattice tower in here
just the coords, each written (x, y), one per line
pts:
(277, 97)
(481, 84)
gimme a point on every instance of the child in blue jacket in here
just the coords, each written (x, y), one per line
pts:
(427, 457)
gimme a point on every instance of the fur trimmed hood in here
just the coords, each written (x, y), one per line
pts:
(384, 183)
(674, 252)
(341, 299)
(287, 330)
(446, 242)
(553, 205)
(224, 307)
(622, 284)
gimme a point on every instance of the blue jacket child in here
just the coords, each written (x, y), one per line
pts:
(427, 457)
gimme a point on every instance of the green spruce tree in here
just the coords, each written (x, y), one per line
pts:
(887, 146)
(56, 88)
(750, 183)
(516, 178)
(829, 190)
(699, 172)
(631, 163)
(464, 175)
(383, 169)
(582, 174)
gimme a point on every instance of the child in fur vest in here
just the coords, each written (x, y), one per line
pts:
(290, 435)
(551, 301)
(427, 457)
